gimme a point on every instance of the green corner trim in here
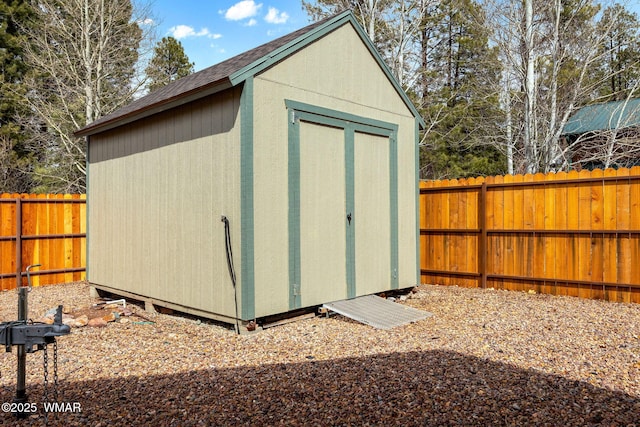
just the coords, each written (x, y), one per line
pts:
(393, 207)
(294, 211)
(247, 278)
(87, 212)
(417, 191)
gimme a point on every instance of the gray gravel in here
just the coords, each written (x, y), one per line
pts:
(485, 358)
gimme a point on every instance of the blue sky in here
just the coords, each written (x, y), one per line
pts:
(213, 30)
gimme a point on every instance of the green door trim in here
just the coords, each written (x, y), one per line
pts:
(350, 203)
(298, 111)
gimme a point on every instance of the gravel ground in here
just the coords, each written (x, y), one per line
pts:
(485, 358)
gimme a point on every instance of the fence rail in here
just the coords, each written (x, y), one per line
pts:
(575, 233)
(46, 229)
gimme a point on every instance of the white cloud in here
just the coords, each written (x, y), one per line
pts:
(147, 21)
(274, 16)
(242, 10)
(217, 48)
(181, 31)
(184, 31)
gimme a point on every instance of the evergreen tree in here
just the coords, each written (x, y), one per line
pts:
(15, 161)
(461, 104)
(619, 74)
(169, 63)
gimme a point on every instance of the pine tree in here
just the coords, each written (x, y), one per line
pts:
(15, 161)
(619, 74)
(169, 63)
(461, 106)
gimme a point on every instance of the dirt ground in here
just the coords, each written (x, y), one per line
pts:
(485, 358)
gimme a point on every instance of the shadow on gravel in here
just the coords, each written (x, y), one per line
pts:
(432, 388)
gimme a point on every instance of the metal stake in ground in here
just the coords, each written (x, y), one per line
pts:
(29, 337)
(23, 309)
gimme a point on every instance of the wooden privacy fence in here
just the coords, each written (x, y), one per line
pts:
(575, 233)
(46, 229)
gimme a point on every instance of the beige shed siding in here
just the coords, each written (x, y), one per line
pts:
(372, 217)
(407, 232)
(322, 215)
(339, 73)
(158, 189)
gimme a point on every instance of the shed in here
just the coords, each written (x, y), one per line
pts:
(307, 145)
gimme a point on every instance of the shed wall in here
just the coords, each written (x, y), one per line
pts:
(157, 190)
(339, 73)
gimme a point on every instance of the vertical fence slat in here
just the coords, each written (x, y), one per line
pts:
(7, 251)
(573, 241)
(60, 243)
(424, 260)
(610, 253)
(508, 264)
(561, 240)
(623, 218)
(549, 239)
(634, 202)
(538, 224)
(67, 210)
(18, 251)
(472, 202)
(584, 223)
(498, 243)
(519, 240)
(597, 244)
(83, 230)
(483, 239)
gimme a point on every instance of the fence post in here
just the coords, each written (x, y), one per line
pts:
(18, 242)
(482, 246)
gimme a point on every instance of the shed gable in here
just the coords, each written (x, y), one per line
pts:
(339, 66)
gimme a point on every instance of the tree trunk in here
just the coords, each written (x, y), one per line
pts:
(531, 165)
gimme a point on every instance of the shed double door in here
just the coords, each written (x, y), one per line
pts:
(342, 208)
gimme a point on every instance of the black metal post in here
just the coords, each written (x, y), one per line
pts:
(23, 310)
(21, 387)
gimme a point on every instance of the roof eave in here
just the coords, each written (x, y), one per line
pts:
(168, 104)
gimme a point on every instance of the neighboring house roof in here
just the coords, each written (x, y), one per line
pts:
(234, 71)
(598, 117)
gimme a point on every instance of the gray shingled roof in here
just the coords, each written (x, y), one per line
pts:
(216, 76)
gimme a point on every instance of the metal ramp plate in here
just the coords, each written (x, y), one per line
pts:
(377, 312)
